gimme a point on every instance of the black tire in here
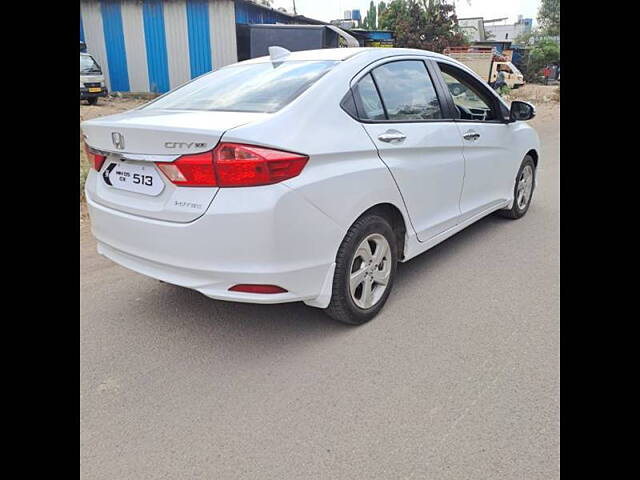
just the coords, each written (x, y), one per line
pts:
(92, 100)
(515, 211)
(342, 307)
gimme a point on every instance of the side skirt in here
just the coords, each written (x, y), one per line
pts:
(415, 247)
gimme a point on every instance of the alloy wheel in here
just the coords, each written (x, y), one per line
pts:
(370, 271)
(525, 187)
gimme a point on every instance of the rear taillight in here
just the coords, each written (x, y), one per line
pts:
(240, 165)
(191, 170)
(96, 159)
(234, 165)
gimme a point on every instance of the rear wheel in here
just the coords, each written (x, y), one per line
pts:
(365, 270)
(523, 189)
(92, 100)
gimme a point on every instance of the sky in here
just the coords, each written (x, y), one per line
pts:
(331, 9)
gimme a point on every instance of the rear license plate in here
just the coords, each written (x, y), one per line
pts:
(95, 90)
(134, 177)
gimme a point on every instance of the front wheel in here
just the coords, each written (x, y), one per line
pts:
(365, 270)
(523, 189)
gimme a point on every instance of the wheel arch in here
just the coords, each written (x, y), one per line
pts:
(398, 223)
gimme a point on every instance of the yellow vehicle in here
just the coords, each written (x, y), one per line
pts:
(486, 64)
(512, 76)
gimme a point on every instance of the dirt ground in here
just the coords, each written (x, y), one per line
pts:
(109, 106)
(546, 99)
(536, 94)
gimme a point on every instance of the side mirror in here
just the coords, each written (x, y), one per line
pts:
(521, 111)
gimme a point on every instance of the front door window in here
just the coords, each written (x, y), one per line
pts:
(471, 102)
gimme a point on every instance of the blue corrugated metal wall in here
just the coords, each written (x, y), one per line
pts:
(81, 29)
(199, 37)
(114, 43)
(128, 38)
(248, 13)
(156, 43)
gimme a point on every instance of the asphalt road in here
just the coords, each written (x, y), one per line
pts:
(457, 378)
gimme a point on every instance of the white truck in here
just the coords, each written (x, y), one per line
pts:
(487, 64)
(92, 83)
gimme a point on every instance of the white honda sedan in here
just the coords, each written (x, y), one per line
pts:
(306, 176)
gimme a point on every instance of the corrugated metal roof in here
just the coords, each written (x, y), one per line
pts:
(251, 12)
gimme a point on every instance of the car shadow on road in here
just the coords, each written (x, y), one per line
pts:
(417, 269)
(253, 323)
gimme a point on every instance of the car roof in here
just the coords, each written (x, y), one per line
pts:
(341, 54)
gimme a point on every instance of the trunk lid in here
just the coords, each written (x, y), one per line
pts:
(133, 141)
(165, 132)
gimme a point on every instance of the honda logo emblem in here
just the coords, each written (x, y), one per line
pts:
(118, 140)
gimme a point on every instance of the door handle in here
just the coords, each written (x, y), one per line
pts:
(471, 135)
(391, 136)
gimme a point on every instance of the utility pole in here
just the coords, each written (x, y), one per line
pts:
(294, 8)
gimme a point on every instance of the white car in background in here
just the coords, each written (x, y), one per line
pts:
(306, 176)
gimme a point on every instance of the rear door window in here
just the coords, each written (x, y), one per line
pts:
(407, 91)
(370, 106)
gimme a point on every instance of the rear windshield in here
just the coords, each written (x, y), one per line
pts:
(258, 87)
(88, 65)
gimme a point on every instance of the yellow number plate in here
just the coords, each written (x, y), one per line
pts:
(94, 90)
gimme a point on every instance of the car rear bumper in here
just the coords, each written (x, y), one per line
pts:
(275, 238)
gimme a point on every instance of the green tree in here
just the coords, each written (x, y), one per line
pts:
(428, 25)
(525, 38)
(369, 21)
(545, 52)
(381, 8)
(373, 19)
(549, 17)
(387, 20)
